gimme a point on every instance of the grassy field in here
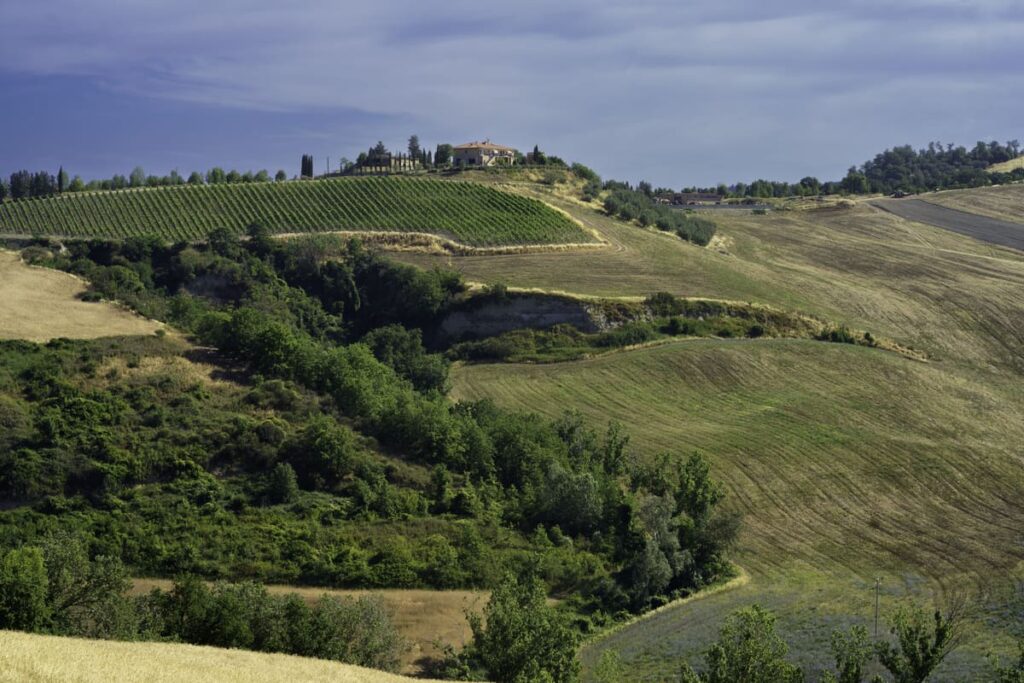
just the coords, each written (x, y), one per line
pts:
(1004, 202)
(26, 658)
(467, 213)
(423, 617)
(849, 463)
(39, 304)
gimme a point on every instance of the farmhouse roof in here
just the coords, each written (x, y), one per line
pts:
(486, 144)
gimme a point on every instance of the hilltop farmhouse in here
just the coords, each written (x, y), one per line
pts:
(484, 153)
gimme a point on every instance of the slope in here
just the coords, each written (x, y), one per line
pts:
(849, 463)
(466, 213)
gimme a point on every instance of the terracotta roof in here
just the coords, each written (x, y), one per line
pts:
(486, 144)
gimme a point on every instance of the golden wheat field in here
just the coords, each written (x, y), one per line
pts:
(27, 658)
(38, 304)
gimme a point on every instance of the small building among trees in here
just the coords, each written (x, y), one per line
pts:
(484, 153)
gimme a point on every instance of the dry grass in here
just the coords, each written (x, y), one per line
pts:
(38, 304)
(1005, 202)
(1007, 166)
(847, 462)
(26, 658)
(425, 618)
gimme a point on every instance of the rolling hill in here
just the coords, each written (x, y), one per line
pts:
(848, 463)
(467, 214)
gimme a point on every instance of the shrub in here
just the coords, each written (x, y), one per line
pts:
(520, 638)
(23, 589)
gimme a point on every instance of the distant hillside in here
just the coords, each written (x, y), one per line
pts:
(42, 659)
(466, 213)
(1007, 166)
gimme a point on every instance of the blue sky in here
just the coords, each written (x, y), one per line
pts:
(674, 92)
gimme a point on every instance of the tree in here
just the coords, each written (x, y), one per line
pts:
(1012, 672)
(921, 643)
(4, 190)
(284, 485)
(77, 184)
(23, 586)
(137, 178)
(195, 178)
(21, 185)
(62, 180)
(520, 639)
(280, 176)
(262, 176)
(414, 147)
(537, 156)
(749, 650)
(86, 597)
(233, 176)
(216, 176)
(307, 166)
(852, 650)
(443, 155)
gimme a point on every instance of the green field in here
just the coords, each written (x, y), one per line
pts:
(466, 213)
(848, 463)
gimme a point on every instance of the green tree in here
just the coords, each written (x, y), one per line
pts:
(23, 587)
(920, 643)
(609, 668)
(280, 176)
(1011, 672)
(137, 178)
(414, 147)
(283, 486)
(521, 639)
(86, 597)
(195, 178)
(749, 650)
(443, 155)
(216, 175)
(852, 651)
(62, 180)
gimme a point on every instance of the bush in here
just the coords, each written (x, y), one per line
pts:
(520, 638)
(629, 334)
(23, 589)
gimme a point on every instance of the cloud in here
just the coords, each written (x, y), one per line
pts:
(683, 92)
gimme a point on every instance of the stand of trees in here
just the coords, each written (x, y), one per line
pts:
(749, 649)
(56, 588)
(28, 185)
(333, 337)
(639, 205)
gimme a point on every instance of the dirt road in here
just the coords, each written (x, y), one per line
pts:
(973, 225)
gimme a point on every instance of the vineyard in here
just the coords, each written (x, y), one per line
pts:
(467, 213)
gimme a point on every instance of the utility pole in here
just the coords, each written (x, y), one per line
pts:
(878, 584)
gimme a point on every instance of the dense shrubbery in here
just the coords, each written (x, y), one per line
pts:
(56, 588)
(629, 205)
(226, 473)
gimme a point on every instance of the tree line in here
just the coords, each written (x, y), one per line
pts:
(900, 169)
(26, 184)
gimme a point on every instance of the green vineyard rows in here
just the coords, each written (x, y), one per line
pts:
(464, 212)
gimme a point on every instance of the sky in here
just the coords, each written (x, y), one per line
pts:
(675, 92)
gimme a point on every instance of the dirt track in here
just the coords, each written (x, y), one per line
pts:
(973, 225)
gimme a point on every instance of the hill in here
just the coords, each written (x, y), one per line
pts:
(465, 213)
(1002, 203)
(849, 463)
(28, 658)
(40, 304)
(1007, 166)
